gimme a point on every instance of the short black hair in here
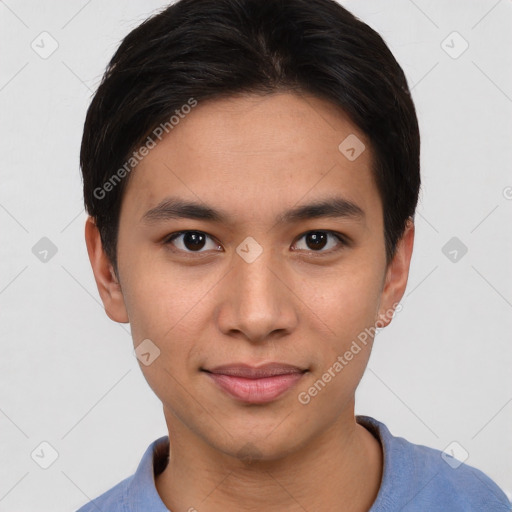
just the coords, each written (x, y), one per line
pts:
(195, 50)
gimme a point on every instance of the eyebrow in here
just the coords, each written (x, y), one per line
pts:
(176, 208)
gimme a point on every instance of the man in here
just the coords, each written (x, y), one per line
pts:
(251, 172)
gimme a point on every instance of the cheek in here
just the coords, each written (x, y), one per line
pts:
(345, 303)
(160, 313)
(348, 308)
(168, 309)
(156, 295)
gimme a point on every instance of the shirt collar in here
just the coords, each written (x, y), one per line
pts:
(397, 467)
(141, 494)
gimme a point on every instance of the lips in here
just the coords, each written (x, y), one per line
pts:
(251, 372)
(256, 385)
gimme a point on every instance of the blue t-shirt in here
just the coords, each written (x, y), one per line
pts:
(415, 478)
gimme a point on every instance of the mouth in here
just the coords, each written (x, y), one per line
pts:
(255, 385)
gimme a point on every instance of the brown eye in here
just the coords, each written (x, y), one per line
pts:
(190, 241)
(318, 240)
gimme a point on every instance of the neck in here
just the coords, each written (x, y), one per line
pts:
(339, 469)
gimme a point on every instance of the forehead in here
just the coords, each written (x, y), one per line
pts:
(253, 154)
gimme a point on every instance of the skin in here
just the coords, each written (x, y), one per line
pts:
(256, 157)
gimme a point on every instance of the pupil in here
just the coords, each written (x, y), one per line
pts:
(317, 240)
(193, 240)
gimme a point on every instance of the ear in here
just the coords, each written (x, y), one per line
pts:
(106, 280)
(396, 277)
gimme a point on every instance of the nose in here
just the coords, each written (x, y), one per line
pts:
(259, 303)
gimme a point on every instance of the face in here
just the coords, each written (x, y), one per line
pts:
(239, 279)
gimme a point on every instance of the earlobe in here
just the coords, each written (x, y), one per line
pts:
(108, 285)
(397, 275)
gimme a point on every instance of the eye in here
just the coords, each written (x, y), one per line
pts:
(191, 241)
(194, 241)
(317, 240)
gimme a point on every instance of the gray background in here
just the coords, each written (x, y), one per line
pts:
(439, 373)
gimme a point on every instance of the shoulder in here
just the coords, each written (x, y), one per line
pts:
(417, 477)
(138, 491)
(443, 480)
(113, 500)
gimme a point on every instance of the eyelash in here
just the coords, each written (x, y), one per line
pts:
(341, 239)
